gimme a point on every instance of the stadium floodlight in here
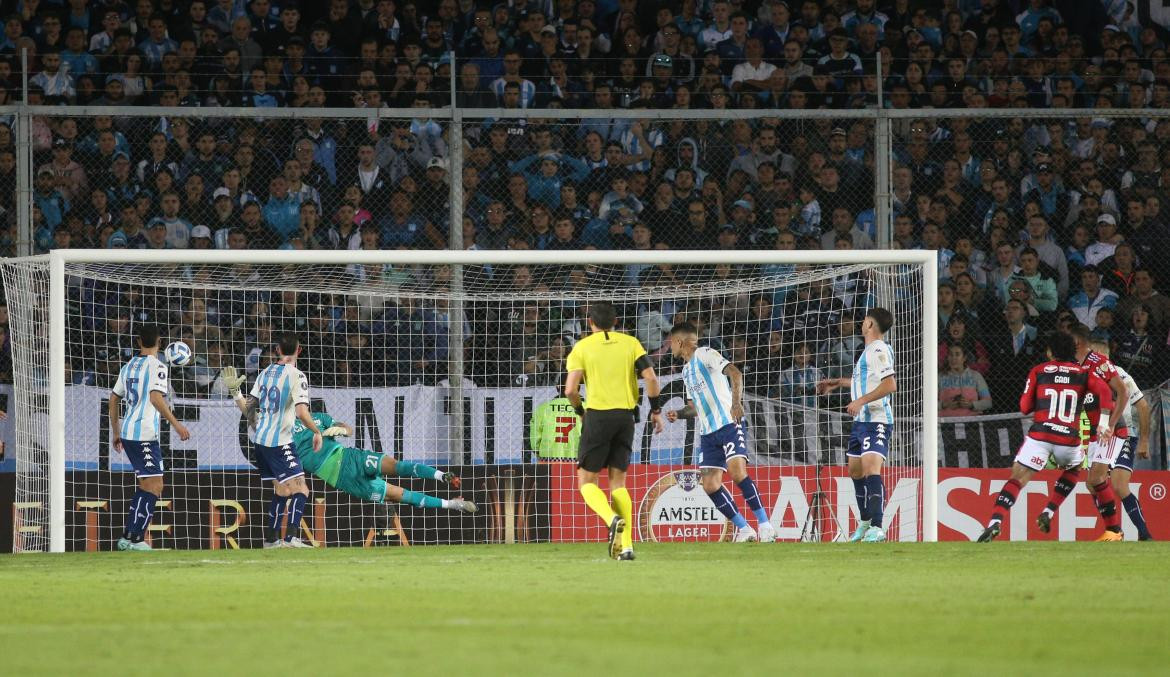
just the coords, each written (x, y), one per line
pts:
(427, 353)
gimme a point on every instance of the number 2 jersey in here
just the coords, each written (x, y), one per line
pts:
(141, 376)
(279, 389)
(709, 389)
(1056, 393)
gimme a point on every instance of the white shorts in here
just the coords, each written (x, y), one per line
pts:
(1034, 454)
(1106, 453)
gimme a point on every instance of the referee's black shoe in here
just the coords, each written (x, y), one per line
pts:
(616, 526)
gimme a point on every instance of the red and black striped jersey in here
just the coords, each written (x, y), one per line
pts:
(1055, 394)
(1103, 368)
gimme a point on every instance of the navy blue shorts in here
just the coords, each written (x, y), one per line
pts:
(146, 457)
(719, 447)
(1124, 459)
(277, 463)
(869, 438)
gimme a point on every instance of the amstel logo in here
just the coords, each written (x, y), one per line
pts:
(676, 508)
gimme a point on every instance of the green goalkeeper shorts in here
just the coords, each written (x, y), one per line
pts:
(361, 474)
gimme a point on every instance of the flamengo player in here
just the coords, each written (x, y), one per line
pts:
(715, 396)
(280, 396)
(1103, 453)
(870, 386)
(1055, 394)
(142, 382)
(1121, 466)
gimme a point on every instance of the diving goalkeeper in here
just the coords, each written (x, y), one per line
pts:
(359, 472)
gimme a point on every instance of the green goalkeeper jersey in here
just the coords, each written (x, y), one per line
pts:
(326, 463)
(555, 431)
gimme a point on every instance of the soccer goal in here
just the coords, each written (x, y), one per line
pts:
(450, 358)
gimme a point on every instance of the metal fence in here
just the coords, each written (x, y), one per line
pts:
(978, 185)
(499, 178)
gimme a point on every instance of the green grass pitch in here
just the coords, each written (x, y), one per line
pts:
(710, 609)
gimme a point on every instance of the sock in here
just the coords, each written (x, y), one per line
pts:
(148, 513)
(1107, 505)
(875, 496)
(421, 500)
(723, 503)
(862, 503)
(296, 508)
(624, 506)
(419, 470)
(595, 499)
(1064, 486)
(751, 496)
(139, 514)
(275, 515)
(1134, 509)
(1005, 500)
(131, 515)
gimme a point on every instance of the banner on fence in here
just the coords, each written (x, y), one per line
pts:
(670, 505)
(415, 423)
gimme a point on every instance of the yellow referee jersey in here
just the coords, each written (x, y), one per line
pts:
(607, 358)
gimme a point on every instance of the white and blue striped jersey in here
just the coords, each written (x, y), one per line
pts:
(279, 389)
(633, 146)
(141, 376)
(1129, 415)
(875, 364)
(709, 389)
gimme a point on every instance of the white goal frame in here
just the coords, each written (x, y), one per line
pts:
(58, 259)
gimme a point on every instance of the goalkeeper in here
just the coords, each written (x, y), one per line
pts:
(359, 472)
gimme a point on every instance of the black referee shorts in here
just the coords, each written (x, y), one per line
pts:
(607, 439)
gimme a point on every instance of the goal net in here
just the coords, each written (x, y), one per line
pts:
(449, 359)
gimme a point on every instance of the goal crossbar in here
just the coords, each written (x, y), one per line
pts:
(494, 256)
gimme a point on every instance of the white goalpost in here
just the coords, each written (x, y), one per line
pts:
(444, 357)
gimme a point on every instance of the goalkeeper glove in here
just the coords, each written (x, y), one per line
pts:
(334, 431)
(233, 381)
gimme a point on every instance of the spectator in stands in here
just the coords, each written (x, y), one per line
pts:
(1043, 289)
(1092, 297)
(1137, 350)
(178, 230)
(401, 226)
(1107, 240)
(962, 391)
(958, 333)
(1012, 351)
(69, 176)
(1040, 239)
(1145, 294)
(798, 383)
(843, 226)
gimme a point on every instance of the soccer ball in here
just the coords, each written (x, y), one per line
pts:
(178, 354)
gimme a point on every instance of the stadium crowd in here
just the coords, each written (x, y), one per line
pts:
(1039, 222)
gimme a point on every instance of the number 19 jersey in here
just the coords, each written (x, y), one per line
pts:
(141, 376)
(279, 389)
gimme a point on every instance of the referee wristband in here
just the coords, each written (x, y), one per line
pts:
(655, 403)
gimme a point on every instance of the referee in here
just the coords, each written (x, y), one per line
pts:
(609, 363)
